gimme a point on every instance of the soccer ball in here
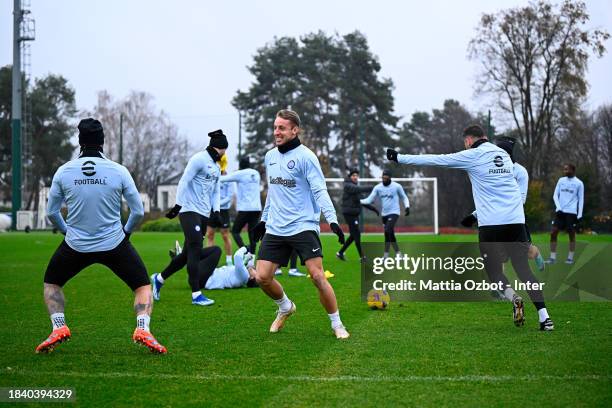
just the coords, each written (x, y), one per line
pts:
(378, 299)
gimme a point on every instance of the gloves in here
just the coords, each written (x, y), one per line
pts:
(406, 211)
(371, 208)
(215, 217)
(392, 155)
(338, 231)
(469, 221)
(127, 234)
(174, 211)
(258, 231)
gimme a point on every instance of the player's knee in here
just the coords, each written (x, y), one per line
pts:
(263, 280)
(318, 277)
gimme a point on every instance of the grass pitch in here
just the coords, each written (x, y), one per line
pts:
(414, 354)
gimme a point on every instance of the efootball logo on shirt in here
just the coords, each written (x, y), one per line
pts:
(498, 161)
(88, 168)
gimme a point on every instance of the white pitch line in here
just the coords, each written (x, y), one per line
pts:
(306, 378)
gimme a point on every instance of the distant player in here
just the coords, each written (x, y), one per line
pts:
(293, 269)
(240, 274)
(351, 210)
(569, 203)
(390, 194)
(522, 179)
(92, 187)
(290, 220)
(501, 218)
(248, 202)
(222, 223)
(197, 199)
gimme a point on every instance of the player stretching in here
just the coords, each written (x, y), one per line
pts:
(290, 220)
(238, 275)
(501, 218)
(197, 198)
(522, 179)
(248, 202)
(390, 193)
(92, 186)
(569, 203)
(226, 191)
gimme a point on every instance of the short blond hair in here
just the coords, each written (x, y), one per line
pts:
(289, 115)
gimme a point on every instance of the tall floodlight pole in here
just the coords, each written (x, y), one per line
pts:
(361, 159)
(16, 114)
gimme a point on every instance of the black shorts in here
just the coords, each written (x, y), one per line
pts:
(123, 260)
(565, 221)
(277, 249)
(225, 220)
(503, 240)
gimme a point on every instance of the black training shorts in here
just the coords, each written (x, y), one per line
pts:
(277, 249)
(565, 221)
(225, 220)
(123, 260)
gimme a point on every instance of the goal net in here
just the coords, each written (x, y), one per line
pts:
(421, 191)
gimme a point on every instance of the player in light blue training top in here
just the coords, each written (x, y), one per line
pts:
(569, 203)
(297, 195)
(227, 193)
(92, 187)
(522, 179)
(248, 200)
(501, 220)
(390, 194)
(197, 200)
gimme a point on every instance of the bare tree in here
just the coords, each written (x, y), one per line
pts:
(153, 149)
(534, 60)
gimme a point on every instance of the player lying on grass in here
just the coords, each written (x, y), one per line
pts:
(92, 186)
(522, 179)
(290, 220)
(501, 219)
(238, 275)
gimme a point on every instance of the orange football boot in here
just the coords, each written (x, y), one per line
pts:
(145, 338)
(56, 337)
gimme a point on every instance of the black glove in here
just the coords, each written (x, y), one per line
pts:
(338, 231)
(469, 221)
(174, 211)
(371, 208)
(127, 234)
(406, 211)
(215, 217)
(392, 155)
(258, 231)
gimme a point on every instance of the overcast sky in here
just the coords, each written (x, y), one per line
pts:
(192, 55)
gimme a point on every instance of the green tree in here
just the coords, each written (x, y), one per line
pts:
(333, 83)
(53, 109)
